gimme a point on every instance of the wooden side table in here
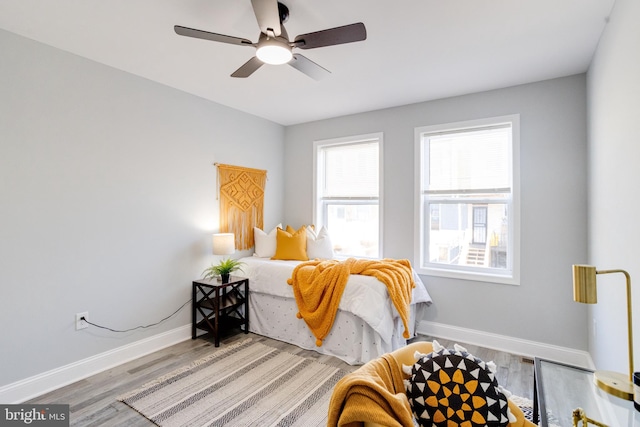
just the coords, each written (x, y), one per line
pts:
(222, 306)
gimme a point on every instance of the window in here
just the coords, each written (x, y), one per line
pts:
(467, 210)
(347, 193)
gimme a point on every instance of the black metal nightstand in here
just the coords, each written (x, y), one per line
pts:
(222, 306)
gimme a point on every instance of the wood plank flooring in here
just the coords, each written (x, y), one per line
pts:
(93, 400)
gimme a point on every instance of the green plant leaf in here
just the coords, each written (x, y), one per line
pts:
(225, 266)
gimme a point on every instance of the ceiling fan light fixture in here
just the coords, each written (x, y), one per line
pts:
(274, 52)
(274, 46)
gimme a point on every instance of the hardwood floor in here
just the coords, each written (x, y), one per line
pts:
(93, 400)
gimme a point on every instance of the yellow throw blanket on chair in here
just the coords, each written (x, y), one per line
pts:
(374, 393)
(318, 286)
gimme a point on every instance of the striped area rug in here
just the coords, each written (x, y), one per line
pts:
(244, 384)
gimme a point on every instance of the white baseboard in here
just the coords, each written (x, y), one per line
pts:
(508, 344)
(31, 387)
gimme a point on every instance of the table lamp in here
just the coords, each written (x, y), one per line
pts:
(584, 291)
(224, 244)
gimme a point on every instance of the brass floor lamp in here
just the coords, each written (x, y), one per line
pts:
(584, 290)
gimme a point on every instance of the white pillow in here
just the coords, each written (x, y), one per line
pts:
(319, 244)
(265, 244)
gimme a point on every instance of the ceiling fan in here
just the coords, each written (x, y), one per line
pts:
(273, 46)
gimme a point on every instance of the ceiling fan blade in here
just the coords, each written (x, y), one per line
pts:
(248, 68)
(199, 34)
(339, 35)
(307, 66)
(266, 12)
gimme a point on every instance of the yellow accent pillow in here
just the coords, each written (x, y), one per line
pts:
(291, 244)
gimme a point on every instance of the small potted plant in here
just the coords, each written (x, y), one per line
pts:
(223, 269)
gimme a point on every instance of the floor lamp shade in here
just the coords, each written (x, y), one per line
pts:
(584, 291)
(584, 284)
(224, 244)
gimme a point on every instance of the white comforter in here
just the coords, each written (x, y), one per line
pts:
(363, 296)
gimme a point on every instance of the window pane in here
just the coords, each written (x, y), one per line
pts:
(469, 206)
(468, 234)
(353, 228)
(468, 161)
(350, 170)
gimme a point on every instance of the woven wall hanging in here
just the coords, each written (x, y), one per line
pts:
(241, 202)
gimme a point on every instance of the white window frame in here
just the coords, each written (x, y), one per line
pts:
(318, 205)
(509, 276)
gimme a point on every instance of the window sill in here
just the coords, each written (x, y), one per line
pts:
(475, 276)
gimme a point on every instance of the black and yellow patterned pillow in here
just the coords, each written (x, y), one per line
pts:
(454, 388)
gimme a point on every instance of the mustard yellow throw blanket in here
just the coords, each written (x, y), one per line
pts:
(318, 286)
(374, 393)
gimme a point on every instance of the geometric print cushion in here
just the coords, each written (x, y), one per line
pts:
(454, 388)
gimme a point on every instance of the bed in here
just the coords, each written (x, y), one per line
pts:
(366, 326)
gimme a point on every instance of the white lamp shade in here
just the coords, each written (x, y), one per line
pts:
(224, 244)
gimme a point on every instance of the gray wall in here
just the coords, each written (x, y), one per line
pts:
(553, 203)
(107, 201)
(614, 206)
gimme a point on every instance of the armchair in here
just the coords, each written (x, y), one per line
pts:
(374, 395)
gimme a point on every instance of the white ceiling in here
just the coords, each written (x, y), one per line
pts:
(416, 50)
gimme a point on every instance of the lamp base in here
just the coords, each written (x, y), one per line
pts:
(614, 383)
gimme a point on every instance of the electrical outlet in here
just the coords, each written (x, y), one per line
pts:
(81, 324)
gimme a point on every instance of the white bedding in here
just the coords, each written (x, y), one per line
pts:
(365, 300)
